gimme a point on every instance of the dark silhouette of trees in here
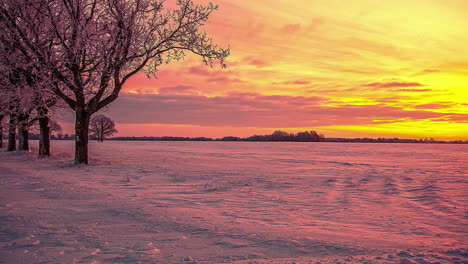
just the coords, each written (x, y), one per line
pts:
(61, 136)
(102, 127)
(278, 135)
(92, 47)
(230, 138)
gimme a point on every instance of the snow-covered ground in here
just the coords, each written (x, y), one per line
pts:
(236, 202)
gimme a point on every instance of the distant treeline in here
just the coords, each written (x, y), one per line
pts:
(277, 136)
(307, 136)
(282, 136)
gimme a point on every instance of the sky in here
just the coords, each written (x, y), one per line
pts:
(357, 68)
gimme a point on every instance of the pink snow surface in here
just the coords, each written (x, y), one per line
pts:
(236, 202)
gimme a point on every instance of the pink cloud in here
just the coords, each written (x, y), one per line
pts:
(458, 118)
(296, 82)
(180, 89)
(255, 110)
(393, 84)
(224, 79)
(199, 70)
(438, 105)
(426, 71)
(255, 62)
(290, 28)
(316, 23)
(412, 90)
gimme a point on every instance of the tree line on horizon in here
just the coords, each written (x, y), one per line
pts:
(278, 135)
(102, 127)
(282, 136)
(79, 54)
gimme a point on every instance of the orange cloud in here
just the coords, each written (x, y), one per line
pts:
(393, 84)
(412, 90)
(290, 28)
(255, 62)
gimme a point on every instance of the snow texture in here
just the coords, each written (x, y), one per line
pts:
(236, 202)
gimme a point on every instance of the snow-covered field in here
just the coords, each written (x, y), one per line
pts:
(236, 202)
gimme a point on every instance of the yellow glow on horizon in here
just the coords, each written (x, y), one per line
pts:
(410, 129)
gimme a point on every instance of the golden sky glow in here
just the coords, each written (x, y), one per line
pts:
(343, 68)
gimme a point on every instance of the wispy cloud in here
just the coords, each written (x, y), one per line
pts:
(438, 105)
(255, 110)
(290, 28)
(393, 84)
(180, 89)
(224, 79)
(425, 72)
(296, 82)
(412, 90)
(255, 62)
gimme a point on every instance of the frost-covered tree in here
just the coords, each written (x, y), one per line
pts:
(92, 47)
(23, 103)
(102, 127)
(22, 83)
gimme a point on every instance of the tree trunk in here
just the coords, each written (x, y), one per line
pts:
(1, 130)
(23, 132)
(81, 136)
(44, 137)
(23, 141)
(12, 133)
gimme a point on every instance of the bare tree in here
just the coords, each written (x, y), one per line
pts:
(102, 127)
(92, 47)
(55, 126)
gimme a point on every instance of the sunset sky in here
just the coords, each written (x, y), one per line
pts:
(343, 68)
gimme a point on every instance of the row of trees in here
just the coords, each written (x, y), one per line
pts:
(306, 136)
(79, 54)
(101, 127)
(278, 135)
